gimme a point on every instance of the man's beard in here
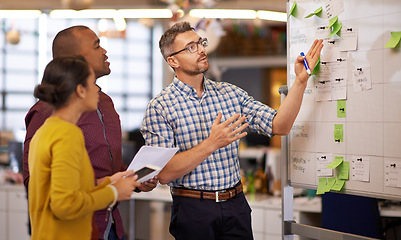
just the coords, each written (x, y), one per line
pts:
(197, 70)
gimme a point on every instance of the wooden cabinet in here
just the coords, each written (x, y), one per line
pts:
(13, 213)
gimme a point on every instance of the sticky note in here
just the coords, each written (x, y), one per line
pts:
(343, 171)
(321, 186)
(316, 68)
(338, 185)
(337, 161)
(317, 12)
(336, 28)
(394, 40)
(330, 183)
(332, 21)
(293, 10)
(338, 133)
(341, 113)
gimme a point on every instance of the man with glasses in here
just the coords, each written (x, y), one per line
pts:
(205, 119)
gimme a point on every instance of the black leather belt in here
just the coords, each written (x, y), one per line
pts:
(218, 196)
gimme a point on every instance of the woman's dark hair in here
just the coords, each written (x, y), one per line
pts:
(61, 78)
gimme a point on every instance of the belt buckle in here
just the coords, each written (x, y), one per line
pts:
(217, 196)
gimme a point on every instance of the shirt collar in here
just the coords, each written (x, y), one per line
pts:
(189, 90)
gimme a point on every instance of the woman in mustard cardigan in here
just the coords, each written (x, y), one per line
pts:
(62, 191)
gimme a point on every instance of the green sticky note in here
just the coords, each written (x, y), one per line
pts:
(336, 28)
(330, 183)
(341, 108)
(293, 10)
(317, 12)
(337, 161)
(338, 185)
(316, 68)
(394, 40)
(332, 21)
(338, 133)
(343, 171)
(321, 186)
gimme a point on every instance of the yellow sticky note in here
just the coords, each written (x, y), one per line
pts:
(321, 186)
(330, 183)
(338, 133)
(336, 28)
(316, 68)
(317, 12)
(332, 21)
(338, 185)
(337, 161)
(293, 10)
(394, 40)
(341, 108)
(343, 171)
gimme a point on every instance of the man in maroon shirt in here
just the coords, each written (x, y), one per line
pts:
(101, 128)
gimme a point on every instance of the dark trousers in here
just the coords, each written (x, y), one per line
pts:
(202, 219)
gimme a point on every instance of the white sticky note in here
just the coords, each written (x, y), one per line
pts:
(361, 79)
(322, 160)
(322, 83)
(348, 40)
(334, 8)
(360, 168)
(392, 173)
(338, 79)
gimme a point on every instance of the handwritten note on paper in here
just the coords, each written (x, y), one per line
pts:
(338, 79)
(334, 8)
(321, 186)
(394, 40)
(331, 50)
(348, 39)
(360, 168)
(338, 133)
(361, 79)
(322, 83)
(322, 160)
(337, 161)
(343, 171)
(392, 173)
(322, 32)
(341, 109)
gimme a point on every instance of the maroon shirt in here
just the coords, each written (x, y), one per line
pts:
(103, 146)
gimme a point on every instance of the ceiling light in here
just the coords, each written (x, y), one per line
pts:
(273, 16)
(89, 13)
(120, 23)
(223, 13)
(20, 13)
(112, 13)
(145, 13)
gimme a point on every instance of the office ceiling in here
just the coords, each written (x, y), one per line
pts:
(273, 5)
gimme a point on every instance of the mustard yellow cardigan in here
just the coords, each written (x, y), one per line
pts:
(62, 194)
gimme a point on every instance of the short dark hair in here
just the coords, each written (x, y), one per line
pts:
(61, 78)
(65, 42)
(167, 39)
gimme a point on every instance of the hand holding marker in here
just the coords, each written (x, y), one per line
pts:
(306, 64)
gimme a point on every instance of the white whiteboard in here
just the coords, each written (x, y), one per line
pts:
(372, 126)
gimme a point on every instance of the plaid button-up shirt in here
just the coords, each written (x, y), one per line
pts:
(178, 118)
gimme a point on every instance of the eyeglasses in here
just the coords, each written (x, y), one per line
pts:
(193, 46)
